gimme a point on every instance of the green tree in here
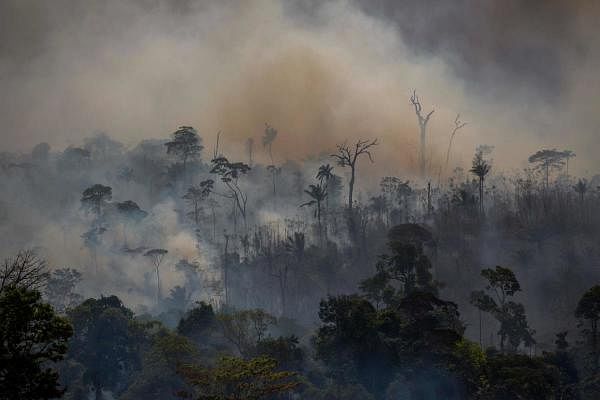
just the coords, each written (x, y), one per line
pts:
(502, 285)
(106, 342)
(32, 339)
(234, 378)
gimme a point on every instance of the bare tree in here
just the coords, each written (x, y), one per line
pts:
(25, 270)
(423, 121)
(347, 156)
(458, 124)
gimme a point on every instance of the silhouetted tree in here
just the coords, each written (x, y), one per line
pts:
(317, 195)
(185, 144)
(95, 198)
(480, 167)
(268, 139)
(547, 160)
(195, 195)
(503, 285)
(423, 121)
(347, 156)
(230, 174)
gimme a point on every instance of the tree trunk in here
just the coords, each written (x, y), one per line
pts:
(157, 285)
(422, 149)
(351, 188)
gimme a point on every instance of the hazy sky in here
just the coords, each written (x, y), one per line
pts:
(522, 73)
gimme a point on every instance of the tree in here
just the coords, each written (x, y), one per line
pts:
(230, 174)
(503, 285)
(423, 121)
(95, 198)
(185, 144)
(156, 255)
(130, 212)
(244, 329)
(195, 195)
(268, 139)
(32, 339)
(348, 157)
(59, 289)
(480, 167)
(547, 160)
(234, 378)
(275, 171)
(318, 194)
(106, 342)
(25, 270)
(588, 311)
(458, 125)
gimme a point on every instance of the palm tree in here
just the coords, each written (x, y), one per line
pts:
(317, 194)
(480, 167)
(324, 175)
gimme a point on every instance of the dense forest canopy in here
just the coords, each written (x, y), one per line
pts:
(264, 227)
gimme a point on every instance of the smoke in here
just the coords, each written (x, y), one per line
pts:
(320, 73)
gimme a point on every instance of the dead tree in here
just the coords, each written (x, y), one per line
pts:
(347, 156)
(423, 121)
(458, 124)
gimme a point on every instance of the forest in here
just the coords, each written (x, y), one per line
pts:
(225, 278)
(299, 200)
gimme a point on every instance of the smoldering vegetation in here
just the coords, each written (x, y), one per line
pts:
(316, 228)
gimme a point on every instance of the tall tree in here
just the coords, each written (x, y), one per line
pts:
(230, 173)
(195, 195)
(458, 125)
(422, 121)
(156, 255)
(348, 156)
(548, 160)
(185, 144)
(130, 213)
(502, 285)
(95, 198)
(317, 194)
(480, 167)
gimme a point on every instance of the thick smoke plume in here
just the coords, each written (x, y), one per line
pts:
(320, 72)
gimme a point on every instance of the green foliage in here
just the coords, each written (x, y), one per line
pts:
(106, 342)
(197, 321)
(244, 329)
(32, 339)
(502, 285)
(234, 378)
(520, 377)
